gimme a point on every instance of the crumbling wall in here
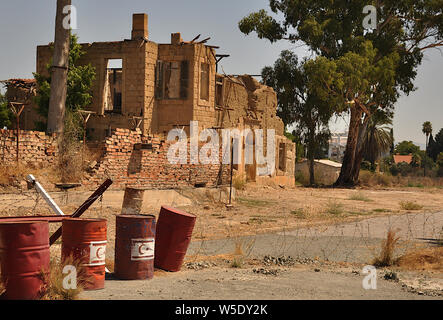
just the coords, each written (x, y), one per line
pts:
(171, 113)
(34, 147)
(204, 110)
(248, 104)
(132, 159)
(138, 68)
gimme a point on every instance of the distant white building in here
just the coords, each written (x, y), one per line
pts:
(337, 146)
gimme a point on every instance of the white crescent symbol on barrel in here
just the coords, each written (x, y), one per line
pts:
(98, 255)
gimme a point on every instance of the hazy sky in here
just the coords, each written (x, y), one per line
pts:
(25, 24)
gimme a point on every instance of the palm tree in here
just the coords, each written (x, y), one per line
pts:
(427, 130)
(378, 139)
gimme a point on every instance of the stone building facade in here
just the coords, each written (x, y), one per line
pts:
(159, 87)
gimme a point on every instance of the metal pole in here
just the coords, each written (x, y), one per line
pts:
(45, 195)
(18, 135)
(232, 167)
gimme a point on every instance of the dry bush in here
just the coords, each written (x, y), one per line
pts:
(386, 257)
(370, 179)
(410, 205)
(425, 259)
(239, 182)
(374, 179)
(53, 281)
(70, 164)
(14, 175)
(334, 207)
(359, 196)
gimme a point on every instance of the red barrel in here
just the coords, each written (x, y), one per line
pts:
(24, 255)
(85, 241)
(134, 247)
(173, 235)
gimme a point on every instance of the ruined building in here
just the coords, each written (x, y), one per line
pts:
(148, 89)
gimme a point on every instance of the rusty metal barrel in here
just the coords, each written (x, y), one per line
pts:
(173, 235)
(85, 241)
(24, 257)
(134, 247)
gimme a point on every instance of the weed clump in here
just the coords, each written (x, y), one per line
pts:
(410, 205)
(386, 257)
(54, 286)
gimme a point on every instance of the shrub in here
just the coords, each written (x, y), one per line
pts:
(404, 168)
(366, 165)
(409, 205)
(359, 196)
(53, 288)
(334, 207)
(394, 170)
(239, 182)
(386, 257)
(440, 164)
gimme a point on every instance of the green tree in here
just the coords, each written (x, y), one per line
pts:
(406, 148)
(435, 145)
(80, 79)
(427, 130)
(350, 87)
(298, 104)
(6, 115)
(333, 29)
(440, 164)
(431, 148)
(378, 139)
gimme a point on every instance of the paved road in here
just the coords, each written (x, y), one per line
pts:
(350, 242)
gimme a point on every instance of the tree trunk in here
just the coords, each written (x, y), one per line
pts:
(346, 178)
(311, 170)
(311, 152)
(359, 150)
(59, 72)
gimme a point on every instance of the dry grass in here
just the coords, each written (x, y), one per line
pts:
(53, 281)
(12, 176)
(239, 182)
(334, 207)
(386, 257)
(424, 259)
(410, 205)
(360, 196)
(371, 179)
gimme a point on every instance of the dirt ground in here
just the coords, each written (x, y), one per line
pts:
(251, 284)
(314, 226)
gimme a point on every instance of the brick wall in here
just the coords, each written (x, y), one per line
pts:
(130, 159)
(34, 147)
